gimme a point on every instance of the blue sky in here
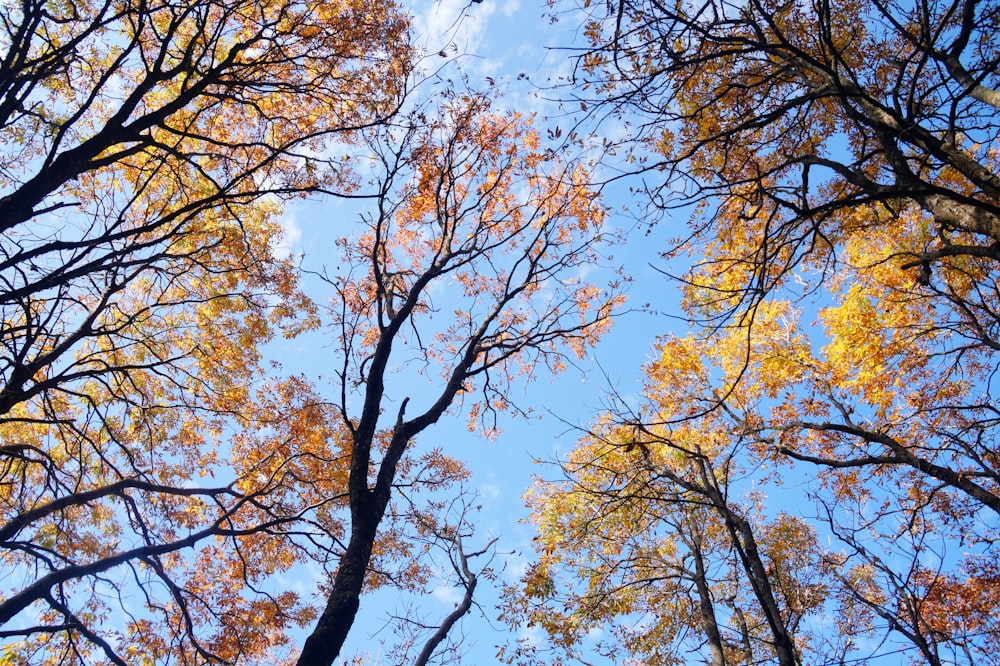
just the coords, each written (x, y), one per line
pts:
(506, 45)
(516, 49)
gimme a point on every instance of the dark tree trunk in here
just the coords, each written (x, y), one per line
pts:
(323, 645)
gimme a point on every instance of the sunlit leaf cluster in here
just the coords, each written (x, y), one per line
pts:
(832, 408)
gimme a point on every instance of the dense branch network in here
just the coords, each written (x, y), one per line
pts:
(147, 149)
(844, 316)
(470, 202)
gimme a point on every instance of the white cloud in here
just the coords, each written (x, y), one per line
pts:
(509, 8)
(291, 236)
(490, 490)
(303, 579)
(515, 566)
(449, 595)
(530, 636)
(456, 27)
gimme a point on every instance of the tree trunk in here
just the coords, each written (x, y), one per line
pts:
(706, 606)
(323, 645)
(368, 506)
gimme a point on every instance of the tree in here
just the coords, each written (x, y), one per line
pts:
(150, 149)
(139, 139)
(793, 117)
(842, 159)
(658, 541)
(469, 204)
(146, 150)
(444, 530)
(680, 503)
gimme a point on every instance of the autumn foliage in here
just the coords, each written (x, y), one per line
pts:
(474, 216)
(159, 476)
(811, 473)
(147, 149)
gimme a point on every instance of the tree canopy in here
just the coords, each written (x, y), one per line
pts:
(808, 474)
(842, 161)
